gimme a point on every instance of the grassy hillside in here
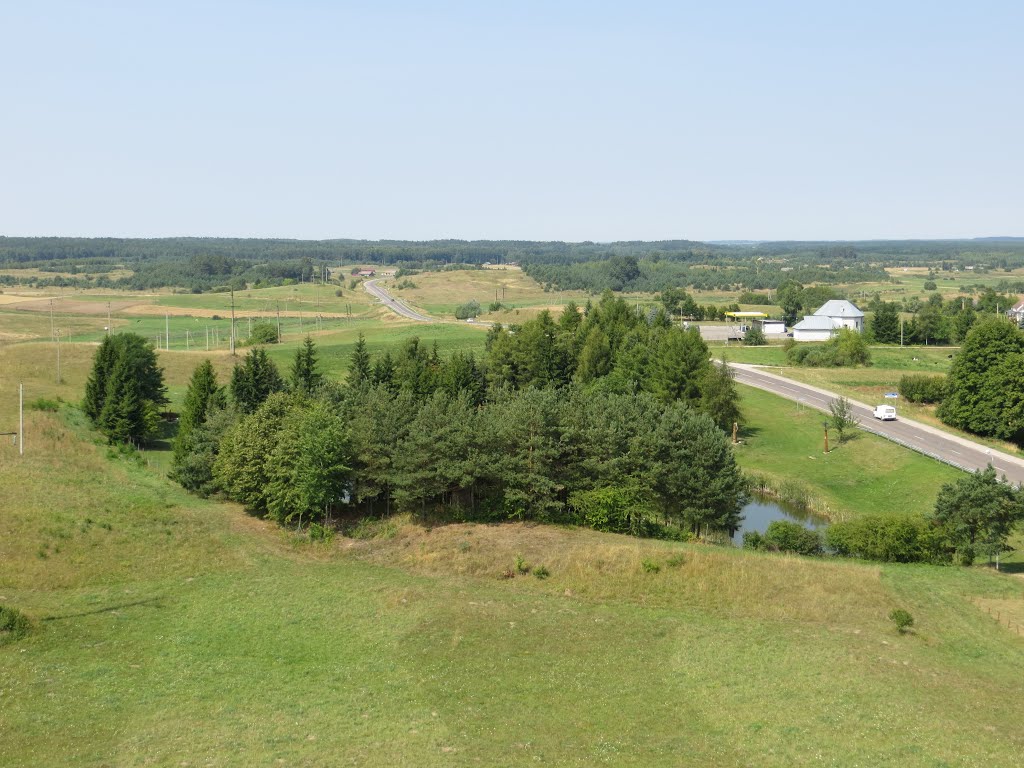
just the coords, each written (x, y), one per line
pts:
(171, 630)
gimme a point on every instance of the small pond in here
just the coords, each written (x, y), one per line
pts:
(760, 511)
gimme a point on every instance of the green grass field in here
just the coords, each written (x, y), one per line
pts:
(784, 441)
(170, 630)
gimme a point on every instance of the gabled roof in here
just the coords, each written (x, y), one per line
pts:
(838, 308)
(814, 323)
(1018, 307)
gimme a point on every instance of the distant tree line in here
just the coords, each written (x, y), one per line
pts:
(588, 266)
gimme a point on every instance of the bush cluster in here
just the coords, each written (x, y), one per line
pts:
(889, 538)
(922, 388)
(846, 348)
(469, 309)
(784, 536)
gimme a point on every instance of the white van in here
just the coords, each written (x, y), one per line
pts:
(885, 412)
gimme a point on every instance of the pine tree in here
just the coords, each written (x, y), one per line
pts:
(254, 381)
(885, 325)
(143, 363)
(304, 374)
(127, 416)
(595, 358)
(359, 373)
(202, 392)
(202, 397)
(96, 386)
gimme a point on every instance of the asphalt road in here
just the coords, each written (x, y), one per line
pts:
(395, 305)
(951, 449)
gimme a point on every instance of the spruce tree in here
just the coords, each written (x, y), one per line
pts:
(359, 373)
(304, 374)
(96, 385)
(254, 381)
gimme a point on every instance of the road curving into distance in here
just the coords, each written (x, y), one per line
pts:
(395, 305)
(948, 448)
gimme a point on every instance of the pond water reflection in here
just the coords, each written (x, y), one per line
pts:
(761, 511)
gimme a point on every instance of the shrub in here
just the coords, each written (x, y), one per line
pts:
(263, 333)
(903, 620)
(469, 309)
(921, 388)
(541, 572)
(650, 566)
(786, 536)
(338, 292)
(322, 533)
(846, 348)
(889, 538)
(14, 625)
(44, 404)
(929, 285)
(754, 337)
(521, 565)
(676, 560)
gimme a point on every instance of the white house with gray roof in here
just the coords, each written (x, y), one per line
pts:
(829, 318)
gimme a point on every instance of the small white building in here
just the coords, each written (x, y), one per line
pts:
(1016, 313)
(773, 327)
(830, 317)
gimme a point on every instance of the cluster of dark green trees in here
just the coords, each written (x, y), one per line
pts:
(936, 320)
(985, 384)
(533, 431)
(125, 390)
(612, 348)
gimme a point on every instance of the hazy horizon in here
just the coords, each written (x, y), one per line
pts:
(562, 121)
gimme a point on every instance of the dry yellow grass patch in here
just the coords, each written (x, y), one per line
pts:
(1007, 612)
(606, 567)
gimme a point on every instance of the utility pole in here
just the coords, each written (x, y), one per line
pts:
(279, 322)
(21, 419)
(901, 332)
(232, 322)
(826, 436)
(186, 340)
(167, 332)
(52, 336)
(58, 357)
(207, 338)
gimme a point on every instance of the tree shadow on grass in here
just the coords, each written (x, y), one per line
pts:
(155, 602)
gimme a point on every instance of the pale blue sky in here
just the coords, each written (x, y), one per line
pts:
(529, 120)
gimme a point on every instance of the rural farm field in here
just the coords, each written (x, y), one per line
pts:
(169, 629)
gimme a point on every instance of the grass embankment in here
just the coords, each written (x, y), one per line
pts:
(171, 630)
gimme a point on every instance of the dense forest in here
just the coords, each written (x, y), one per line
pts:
(202, 264)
